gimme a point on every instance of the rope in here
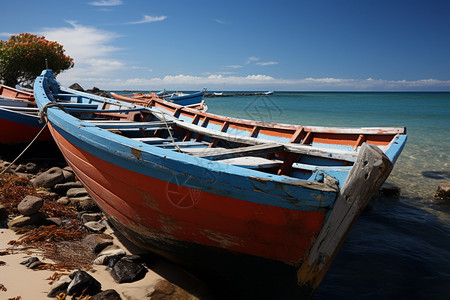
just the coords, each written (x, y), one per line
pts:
(43, 112)
(168, 129)
(24, 150)
(41, 115)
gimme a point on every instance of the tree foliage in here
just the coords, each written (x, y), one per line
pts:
(24, 56)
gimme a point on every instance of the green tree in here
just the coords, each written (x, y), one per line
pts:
(24, 56)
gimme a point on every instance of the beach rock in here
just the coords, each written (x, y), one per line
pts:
(3, 214)
(59, 286)
(163, 287)
(389, 190)
(46, 192)
(62, 188)
(34, 219)
(53, 221)
(31, 168)
(32, 263)
(88, 217)
(20, 168)
(127, 270)
(107, 295)
(49, 178)
(29, 261)
(76, 87)
(35, 264)
(443, 190)
(77, 192)
(63, 201)
(85, 203)
(98, 242)
(82, 281)
(68, 175)
(30, 205)
(109, 253)
(94, 90)
(95, 226)
(2, 263)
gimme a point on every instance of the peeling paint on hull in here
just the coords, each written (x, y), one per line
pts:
(220, 222)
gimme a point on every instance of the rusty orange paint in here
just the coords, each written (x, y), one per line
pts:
(151, 206)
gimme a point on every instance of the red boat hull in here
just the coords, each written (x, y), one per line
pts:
(165, 217)
(16, 133)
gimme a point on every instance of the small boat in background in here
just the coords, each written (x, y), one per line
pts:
(19, 120)
(208, 190)
(185, 99)
(268, 93)
(145, 99)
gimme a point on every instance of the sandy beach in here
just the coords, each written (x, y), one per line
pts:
(19, 281)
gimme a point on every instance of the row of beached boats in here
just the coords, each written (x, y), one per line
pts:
(199, 188)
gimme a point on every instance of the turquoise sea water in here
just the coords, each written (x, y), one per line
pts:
(398, 248)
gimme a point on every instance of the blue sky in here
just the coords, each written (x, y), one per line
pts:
(313, 45)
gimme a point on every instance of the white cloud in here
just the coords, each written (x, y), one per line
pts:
(7, 34)
(234, 66)
(90, 48)
(267, 63)
(82, 42)
(219, 21)
(259, 82)
(251, 59)
(149, 19)
(106, 3)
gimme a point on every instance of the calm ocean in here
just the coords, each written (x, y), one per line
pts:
(398, 248)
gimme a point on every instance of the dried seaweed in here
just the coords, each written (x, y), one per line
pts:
(62, 245)
(13, 189)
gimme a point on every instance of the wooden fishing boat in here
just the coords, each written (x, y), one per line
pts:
(185, 99)
(144, 99)
(202, 189)
(19, 121)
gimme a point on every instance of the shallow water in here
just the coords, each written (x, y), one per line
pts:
(398, 248)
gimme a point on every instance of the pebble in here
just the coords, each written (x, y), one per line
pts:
(77, 192)
(109, 253)
(30, 205)
(21, 221)
(95, 226)
(3, 214)
(443, 190)
(62, 188)
(98, 242)
(127, 270)
(106, 295)
(59, 286)
(82, 282)
(49, 178)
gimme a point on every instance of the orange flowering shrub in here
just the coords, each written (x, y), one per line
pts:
(23, 57)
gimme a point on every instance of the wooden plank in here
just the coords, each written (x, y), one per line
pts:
(100, 111)
(78, 105)
(252, 162)
(152, 140)
(371, 169)
(215, 153)
(295, 148)
(182, 144)
(127, 124)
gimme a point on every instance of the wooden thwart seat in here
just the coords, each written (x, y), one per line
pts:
(114, 124)
(252, 162)
(222, 153)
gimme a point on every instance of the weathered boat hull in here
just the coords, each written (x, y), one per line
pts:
(182, 206)
(19, 121)
(18, 127)
(170, 213)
